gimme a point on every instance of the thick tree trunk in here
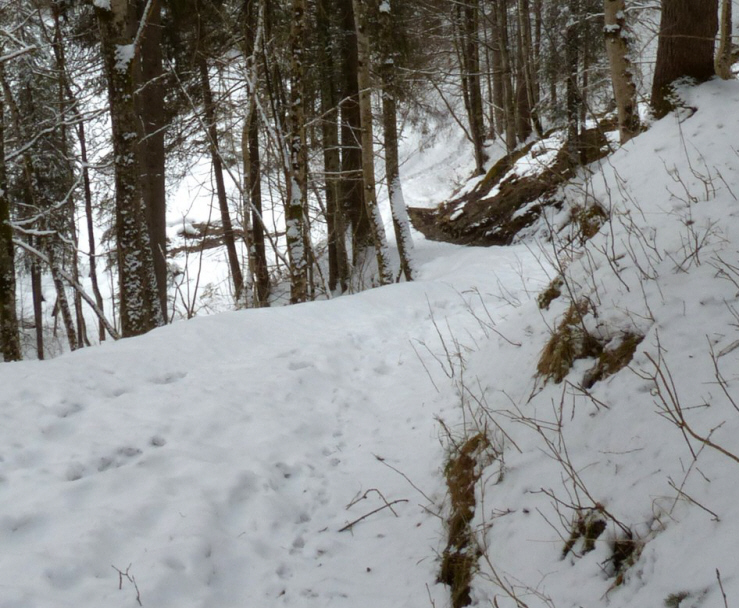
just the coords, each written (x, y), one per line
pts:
(140, 309)
(10, 346)
(497, 67)
(294, 220)
(529, 65)
(723, 55)
(338, 262)
(686, 40)
(622, 77)
(352, 192)
(523, 107)
(368, 158)
(150, 107)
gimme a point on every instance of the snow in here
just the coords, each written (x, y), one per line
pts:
(217, 461)
(218, 457)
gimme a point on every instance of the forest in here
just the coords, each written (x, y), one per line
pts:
(296, 107)
(347, 303)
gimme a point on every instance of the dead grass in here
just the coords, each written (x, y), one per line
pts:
(567, 344)
(551, 293)
(459, 560)
(613, 360)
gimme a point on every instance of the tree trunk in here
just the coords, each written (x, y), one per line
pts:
(368, 156)
(215, 155)
(497, 66)
(152, 124)
(622, 77)
(294, 220)
(685, 49)
(140, 309)
(529, 65)
(352, 193)
(38, 317)
(470, 59)
(523, 107)
(252, 161)
(72, 108)
(572, 53)
(10, 345)
(723, 55)
(338, 262)
(505, 58)
(61, 294)
(401, 223)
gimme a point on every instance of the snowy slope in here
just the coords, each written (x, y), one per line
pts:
(217, 461)
(665, 267)
(217, 457)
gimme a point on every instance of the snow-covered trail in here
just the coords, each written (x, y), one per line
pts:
(217, 457)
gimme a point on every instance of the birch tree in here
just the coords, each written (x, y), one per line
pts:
(622, 77)
(388, 70)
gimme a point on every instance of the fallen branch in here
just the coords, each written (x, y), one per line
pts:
(388, 505)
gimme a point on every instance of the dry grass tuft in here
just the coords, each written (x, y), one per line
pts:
(459, 560)
(568, 343)
(612, 360)
(551, 293)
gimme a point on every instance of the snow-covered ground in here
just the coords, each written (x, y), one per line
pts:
(214, 463)
(218, 457)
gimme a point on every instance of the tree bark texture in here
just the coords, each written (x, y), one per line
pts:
(724, 53)
(685, 49)
(9, 335)
(399, 212)
(338, 262)
(294, 220)
(351, 140)
(140, 310)
(368, 157)
(152, 124)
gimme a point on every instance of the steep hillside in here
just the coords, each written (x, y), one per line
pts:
(612, 402)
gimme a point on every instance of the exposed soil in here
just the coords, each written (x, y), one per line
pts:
(479, 218)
